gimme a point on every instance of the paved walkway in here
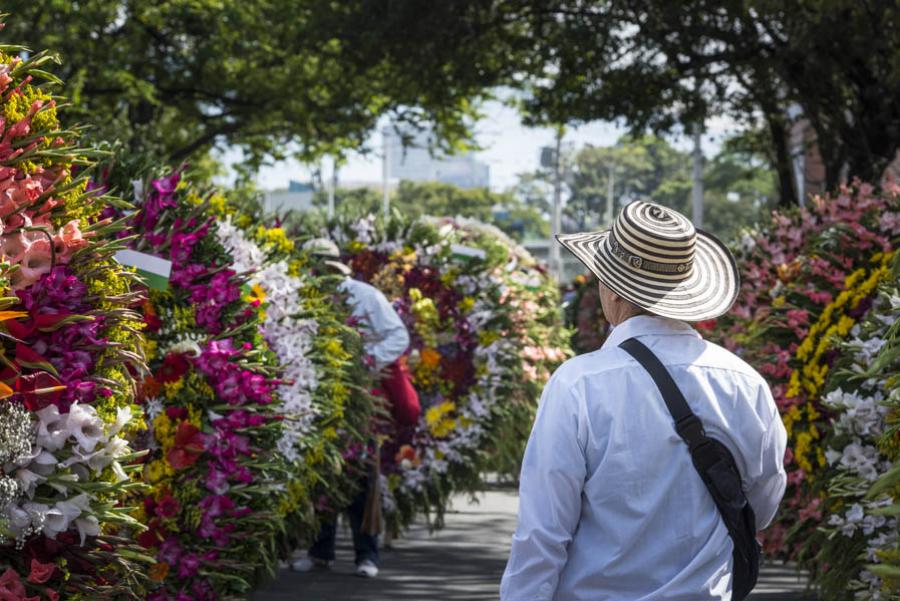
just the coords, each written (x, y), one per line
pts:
(462, 562)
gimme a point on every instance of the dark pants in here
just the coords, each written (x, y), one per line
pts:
(365, 545)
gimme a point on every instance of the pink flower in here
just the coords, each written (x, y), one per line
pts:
(40, 572)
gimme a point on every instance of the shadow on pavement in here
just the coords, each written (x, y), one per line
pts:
(462, 562)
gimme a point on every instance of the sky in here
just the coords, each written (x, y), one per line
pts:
(508, 147)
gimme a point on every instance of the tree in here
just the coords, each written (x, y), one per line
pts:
(659, 64)
(646, 166)
(175, 77)
(738, 188)
(416, 199)
(738, 182)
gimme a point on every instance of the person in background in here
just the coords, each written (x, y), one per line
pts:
(386, 340)
(611, 505)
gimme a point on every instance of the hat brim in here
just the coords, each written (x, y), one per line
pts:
(344, 269)
(708, 291)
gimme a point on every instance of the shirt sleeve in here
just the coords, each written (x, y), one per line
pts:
(390, 338)
(551, 484)
(766, 491)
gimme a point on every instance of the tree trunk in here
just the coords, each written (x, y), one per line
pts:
(781, 158)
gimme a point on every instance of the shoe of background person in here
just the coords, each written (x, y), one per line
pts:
(307, 564)
(366, 569)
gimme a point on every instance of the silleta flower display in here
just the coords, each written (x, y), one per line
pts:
(808, 278)
(70, 355)
(211, 406)
(486, 332)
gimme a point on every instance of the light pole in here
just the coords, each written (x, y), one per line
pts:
(332, 188)
(385, 173)
(610, 194)
(556, 224)
(697, 188)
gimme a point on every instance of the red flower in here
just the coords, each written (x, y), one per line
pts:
(709, 325)
(154, 323)
(153, 535)
(40, 572)
(174, 366)
(177, 413)
(167, 507)
(38, 390)
(189, 444)
(52, 595)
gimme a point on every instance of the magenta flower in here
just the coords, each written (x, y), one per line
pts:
(188, 565)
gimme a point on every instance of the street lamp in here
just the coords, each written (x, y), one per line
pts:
(550, 158)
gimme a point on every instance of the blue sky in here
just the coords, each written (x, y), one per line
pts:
(508, 147)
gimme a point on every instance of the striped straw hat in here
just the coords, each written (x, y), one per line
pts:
(655, 258)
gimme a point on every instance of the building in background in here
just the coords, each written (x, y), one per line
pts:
(298, 197)
(416, 163)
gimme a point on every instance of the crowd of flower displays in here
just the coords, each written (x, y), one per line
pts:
(173, 433)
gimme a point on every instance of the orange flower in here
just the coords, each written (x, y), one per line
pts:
(430, 358)
(150, 388)
(158, 571)
(789, 271)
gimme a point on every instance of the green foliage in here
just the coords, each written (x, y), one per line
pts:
(174, 77)
(416, 199)
(737, 182)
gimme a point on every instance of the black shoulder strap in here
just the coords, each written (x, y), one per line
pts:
(688, 425)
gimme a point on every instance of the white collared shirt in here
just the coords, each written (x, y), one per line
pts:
(385, 336)
(611, 507)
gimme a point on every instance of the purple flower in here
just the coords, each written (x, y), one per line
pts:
(216, 505)
(169, 551)
(202, 591)
(185, 275)
(188, 566)
(217, 481)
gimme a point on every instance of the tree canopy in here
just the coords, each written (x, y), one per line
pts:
(177, 76)
(738, 184)
(315, 76)
(660, 65)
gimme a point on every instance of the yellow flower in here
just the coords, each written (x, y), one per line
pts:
(171, 389)
(444, 428)
(436, 413)
(257, 294)
(778, 302)
(277, 238)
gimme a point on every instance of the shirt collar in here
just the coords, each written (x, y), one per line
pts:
(647, 325)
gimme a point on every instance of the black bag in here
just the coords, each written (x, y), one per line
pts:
(716, 467)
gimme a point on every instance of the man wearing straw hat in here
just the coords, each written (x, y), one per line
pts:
(654, 460)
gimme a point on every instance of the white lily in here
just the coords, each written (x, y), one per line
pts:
(28, 480)
(87, 526)
(52, 432)
(84, 424)
(123, 416)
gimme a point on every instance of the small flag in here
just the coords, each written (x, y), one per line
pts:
(467, 253)
(153, 270)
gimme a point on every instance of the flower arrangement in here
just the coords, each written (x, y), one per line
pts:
(70, 354)
(212, 406)
(485, 334)
(807, 278)
(585, 315)
(859, 537)
(327, 408)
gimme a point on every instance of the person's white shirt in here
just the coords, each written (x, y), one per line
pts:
(384, 334)
(611, 507)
